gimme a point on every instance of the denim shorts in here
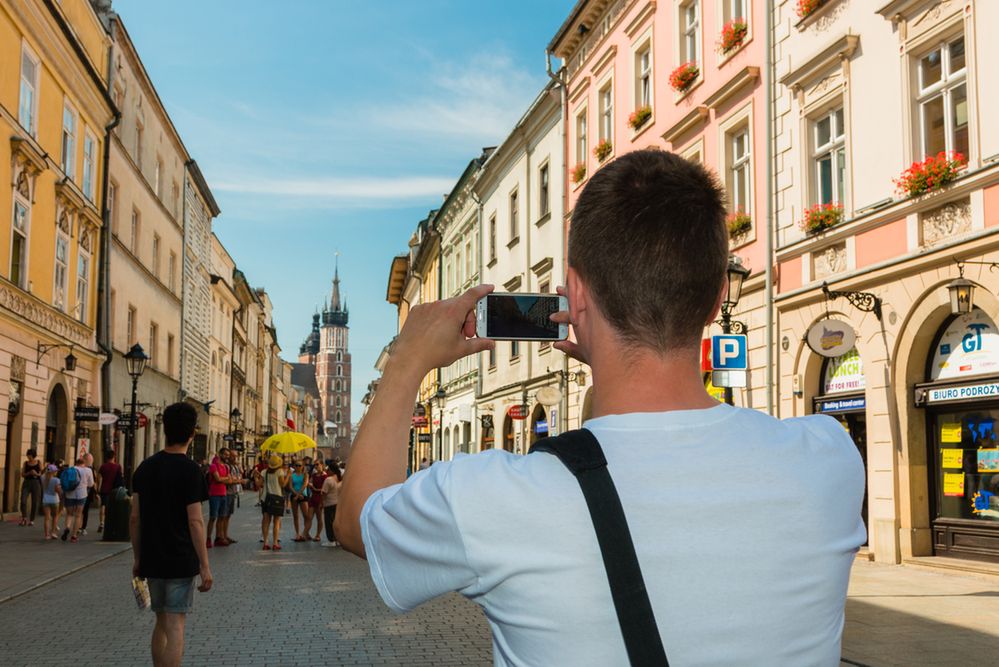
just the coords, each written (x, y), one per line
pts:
(230, 506)
(217, 506)
(74, 502)
(171, 596)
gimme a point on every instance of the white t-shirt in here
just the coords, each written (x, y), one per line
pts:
(86, 481)
(745, 528)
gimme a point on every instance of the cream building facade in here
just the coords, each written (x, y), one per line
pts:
(225, 304)
(521, 249)
(54, 113)
(914, 392)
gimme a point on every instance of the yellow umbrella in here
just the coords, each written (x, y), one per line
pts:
(288, 442)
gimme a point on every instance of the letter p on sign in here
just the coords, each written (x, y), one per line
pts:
(728, 353)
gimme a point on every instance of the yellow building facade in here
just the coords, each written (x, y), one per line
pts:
(54, 111)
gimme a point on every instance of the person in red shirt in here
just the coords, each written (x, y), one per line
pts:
(109, 478)
(218, 503)
(315, 502)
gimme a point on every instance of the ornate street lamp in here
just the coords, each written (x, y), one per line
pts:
(135, 363)
(737, 274)
(962, 293)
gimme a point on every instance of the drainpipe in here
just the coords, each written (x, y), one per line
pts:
(768, 288)
(560, 82)
(104, 260)
(478, 224)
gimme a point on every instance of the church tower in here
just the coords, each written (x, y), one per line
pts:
(332, 361)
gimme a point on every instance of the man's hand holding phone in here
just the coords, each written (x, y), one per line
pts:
(570, 347)
(439, 333)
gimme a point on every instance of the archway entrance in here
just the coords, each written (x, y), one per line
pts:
(539, 424)
(508, 433)
(56, 423)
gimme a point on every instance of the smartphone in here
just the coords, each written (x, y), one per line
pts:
(505, 316)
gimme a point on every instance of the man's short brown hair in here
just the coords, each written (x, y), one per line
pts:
(648, 238)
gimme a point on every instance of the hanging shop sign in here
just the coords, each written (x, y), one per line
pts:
(844, 373)
(969, 346)
(549, 396)
(420, 422)
(517, 412)
(541, 426)
(86, 413)
(831, 338)
(841, 405)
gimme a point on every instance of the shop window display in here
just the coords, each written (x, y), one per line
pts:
(967, 458)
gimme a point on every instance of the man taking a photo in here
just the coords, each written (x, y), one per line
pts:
(168, 532)
(745, 527)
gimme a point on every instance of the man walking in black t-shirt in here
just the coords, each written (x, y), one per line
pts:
(168, 532)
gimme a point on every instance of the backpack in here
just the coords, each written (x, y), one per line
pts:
(70, 479)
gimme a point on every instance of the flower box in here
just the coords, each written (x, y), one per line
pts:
(821, 217)
(684, 76)
(933, 173)
(602, 150)
(639, 117)
(579, 172)
(738, 223)
(733, 34)
(806, 8)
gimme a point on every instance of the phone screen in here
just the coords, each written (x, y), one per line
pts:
(521, 316)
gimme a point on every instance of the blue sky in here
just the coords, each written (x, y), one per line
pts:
(326, 126)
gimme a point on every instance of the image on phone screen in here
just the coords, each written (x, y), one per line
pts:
(521, 316)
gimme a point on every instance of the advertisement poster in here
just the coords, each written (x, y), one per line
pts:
(953, 484)
(950, 432)
(952, 458)
(969, 346)
(988, 460)
(844, 373)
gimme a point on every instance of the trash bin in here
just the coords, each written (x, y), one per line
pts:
(116, 516)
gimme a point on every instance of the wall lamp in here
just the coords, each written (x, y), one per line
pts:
(69, 363)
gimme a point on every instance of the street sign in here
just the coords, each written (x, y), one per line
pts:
(228, 438)
(729, 353)
(729, 378)
(86, 413)
(517, 411)
(425, 437)
(107, 418)
(419, 422)
(125, 420)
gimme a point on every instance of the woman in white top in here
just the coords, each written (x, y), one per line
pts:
(272, 506)
(331, 495)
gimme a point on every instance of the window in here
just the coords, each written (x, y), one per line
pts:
(154, 335)
(690, 35)
(136, 228)
(158, 179)
(61, 269)
(829, 158)
(19, 242)
(338, 385)
(514, 349)
(492, 357)
(339, 371)
(581, 137)
(156, 255)
(176, 200)
(942, 100)
(544, 288)
(734, 9)
(448, 278)
(130, 327)
(170, 344)
(82, 284)
(643, 77)
(139, 136)
(338, 401)
(492, 237)
(172, 272)
(514, 213)
(89, 164)
(68, 141)
(739, 177)
(607, 113)
(112, 208)
(468, 259)
(339, 356)
(544, 202)
(27, 107)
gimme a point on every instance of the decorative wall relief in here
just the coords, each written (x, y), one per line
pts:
(944, 222)
(829, 261)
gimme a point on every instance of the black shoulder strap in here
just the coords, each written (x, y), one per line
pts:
(582, 455)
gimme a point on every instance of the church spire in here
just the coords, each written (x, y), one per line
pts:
(335, 301)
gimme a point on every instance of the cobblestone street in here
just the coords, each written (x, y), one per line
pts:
(305, 605)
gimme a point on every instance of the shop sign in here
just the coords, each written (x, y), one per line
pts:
(424, 437)
(983, 390)
(517, 412)
(420, 422)
(553, 422)
(86, 413)
(107, 418)
(541, 426)
(842, 405)
(844, 373)
(549, 396)
(969, 346)
(831, 338)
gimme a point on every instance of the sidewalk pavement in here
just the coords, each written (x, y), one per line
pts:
(895, 615)
(28, 561)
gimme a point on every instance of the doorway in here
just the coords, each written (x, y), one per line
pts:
(12, 443)
(56, 421)
(855, 424)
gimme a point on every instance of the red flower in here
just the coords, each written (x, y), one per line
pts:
(820, 217)
(806, 7)
(932, 173)
(733, 34)
(683, 76)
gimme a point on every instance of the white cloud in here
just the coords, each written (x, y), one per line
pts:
(348, 188)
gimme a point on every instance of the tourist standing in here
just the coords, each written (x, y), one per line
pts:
(51, 492)
(76, 482)
(314, 506)
(331, 495)
(168, 532)
(88, 461)
(275, 481)
(218, 477)
(31, 486)
(299, 497)
(109, 478)
(235, 478)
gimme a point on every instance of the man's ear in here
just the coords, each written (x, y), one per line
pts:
(578, 297)
(718, 302)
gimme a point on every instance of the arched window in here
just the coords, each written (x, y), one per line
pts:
(214, 361)
(339, 356)
(338, 401)
(339, 371)
(339, 416)
(338, 385)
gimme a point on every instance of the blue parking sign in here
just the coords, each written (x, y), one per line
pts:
(728, 353)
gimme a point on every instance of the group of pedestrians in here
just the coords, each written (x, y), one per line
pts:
(65, 493)
(305, 489)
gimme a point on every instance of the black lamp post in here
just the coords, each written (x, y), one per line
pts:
(737, 274)
(135, 363)
(441, 396)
